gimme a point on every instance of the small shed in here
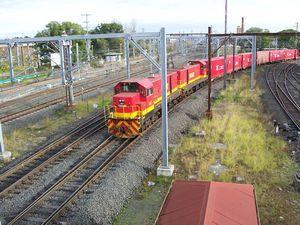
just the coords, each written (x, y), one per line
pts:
(209, 203)
(113, 57)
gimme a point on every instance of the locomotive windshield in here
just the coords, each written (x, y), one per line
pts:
(129, 87)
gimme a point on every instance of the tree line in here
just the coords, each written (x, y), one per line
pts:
(102, 46)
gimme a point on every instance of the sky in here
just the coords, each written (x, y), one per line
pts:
(27, 17)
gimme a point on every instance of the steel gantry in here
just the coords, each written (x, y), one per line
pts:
(64, 42)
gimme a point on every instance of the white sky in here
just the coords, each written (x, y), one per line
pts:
(26, 17)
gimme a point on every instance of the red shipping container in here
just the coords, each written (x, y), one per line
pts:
(217, 67)
(290, 54)
(246, 60)
(238, 62)
(276, 55)
(262, 57)
(229, 64)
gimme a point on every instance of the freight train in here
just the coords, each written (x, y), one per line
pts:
(136, 102)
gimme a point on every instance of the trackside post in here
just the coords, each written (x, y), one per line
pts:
(4, 155)
(164, 169)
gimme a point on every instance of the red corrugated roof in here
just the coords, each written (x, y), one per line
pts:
(209, 203)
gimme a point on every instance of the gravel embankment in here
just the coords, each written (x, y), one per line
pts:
(12, 204)
(107, 196)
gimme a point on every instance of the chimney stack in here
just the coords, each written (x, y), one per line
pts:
(242, 28)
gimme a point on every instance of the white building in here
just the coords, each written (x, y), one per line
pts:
(113, 57)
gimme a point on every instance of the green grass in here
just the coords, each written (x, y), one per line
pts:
(26, 139)
(252, 152)
(142, 209)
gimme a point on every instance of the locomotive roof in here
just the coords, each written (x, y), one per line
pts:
(140, 80)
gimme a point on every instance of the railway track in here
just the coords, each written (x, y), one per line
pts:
(53, 201)
(280, 83)
(10, 116)
(50, 204)
(36, 105)
(18, 175)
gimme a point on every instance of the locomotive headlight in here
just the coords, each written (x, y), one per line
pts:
(121, 101)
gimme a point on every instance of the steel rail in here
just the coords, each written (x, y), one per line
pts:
(43, 165)
(25, 112)
(276, 93)
(92, 80)
(87, 159)
(292, 76)
(48, 147)
(111, 159)
(115, 156)
(284, 91)
(287, 73)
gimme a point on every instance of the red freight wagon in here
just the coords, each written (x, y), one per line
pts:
(217, 67)
(182, 77)
(290, 54)
(262, 57)
(276, 55)
(229, 64)
(238, 62)
(297, 54)
(172, 82)
(246, 60)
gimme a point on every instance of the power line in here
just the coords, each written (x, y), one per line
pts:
(86, 15)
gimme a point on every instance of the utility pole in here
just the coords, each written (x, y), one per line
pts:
(11, 64)
(4, 155)
(17, 54)
(126, 54)
(88, 42)
(77, 59)
(225, 48)
(22, 55)
(296, 38)
(233, 55)
(165, 168)
(28, 55)
(253, 63)
(209, 112)
(68, 74)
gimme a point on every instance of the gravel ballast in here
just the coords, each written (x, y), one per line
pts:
(15, 202)
(107, 196)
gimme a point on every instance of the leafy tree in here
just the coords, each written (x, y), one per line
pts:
(262, 42)
(101, 46)
(288, 41)
(55, 28)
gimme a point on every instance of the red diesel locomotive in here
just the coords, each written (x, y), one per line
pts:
(137, 101)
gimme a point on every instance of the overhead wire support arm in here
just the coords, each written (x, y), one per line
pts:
(144, 53)
(220, 46)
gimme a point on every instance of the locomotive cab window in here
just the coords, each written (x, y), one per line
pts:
(149, 91)
(129, 87)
